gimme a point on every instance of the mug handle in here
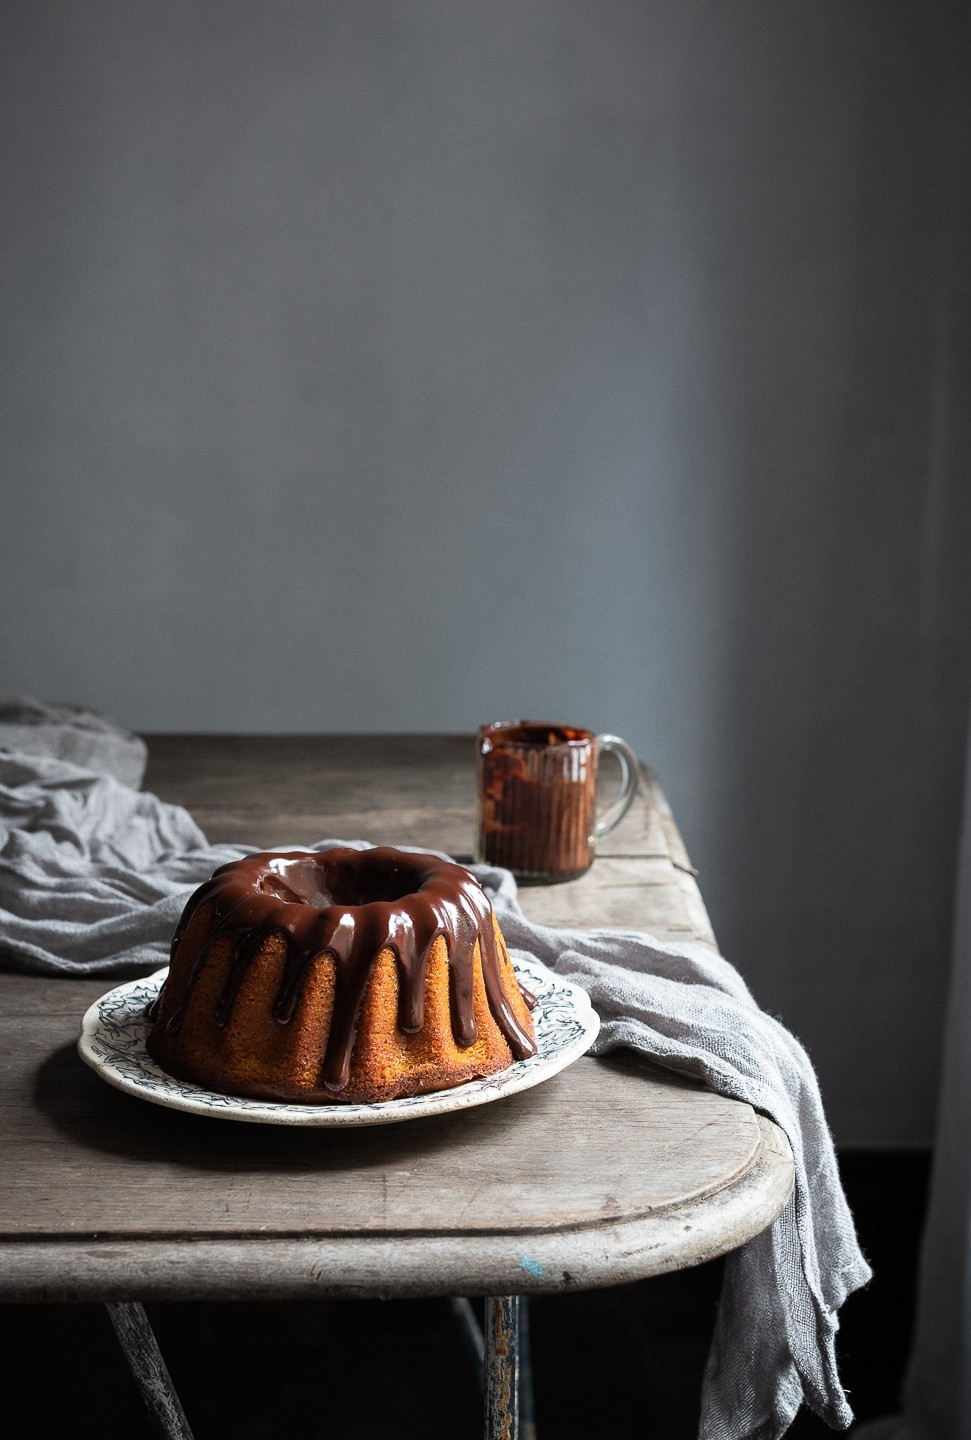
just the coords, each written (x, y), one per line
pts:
(629, 765)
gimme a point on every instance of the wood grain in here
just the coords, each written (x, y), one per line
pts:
(272, 1267)
(610, 1170)
(630, 1152)
(270, 790)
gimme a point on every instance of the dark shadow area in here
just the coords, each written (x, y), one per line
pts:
(614, 1364)
(830, 883)
(84, 1108)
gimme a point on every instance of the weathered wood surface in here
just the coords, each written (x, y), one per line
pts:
(630, 1152)
(610, 1171)
(269, 1267)
(420, 790)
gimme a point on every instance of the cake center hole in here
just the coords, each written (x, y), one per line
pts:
(312, 881)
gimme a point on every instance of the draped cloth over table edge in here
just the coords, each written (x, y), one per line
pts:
(94, 876)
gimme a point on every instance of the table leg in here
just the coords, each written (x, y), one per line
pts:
(137, 1339)
(502, 1368)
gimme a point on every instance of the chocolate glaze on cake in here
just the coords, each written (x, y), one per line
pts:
(353, 904)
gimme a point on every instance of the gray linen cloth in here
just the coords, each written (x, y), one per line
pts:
(93, 878)
(38, 727)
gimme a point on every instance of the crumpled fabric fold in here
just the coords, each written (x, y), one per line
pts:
(687, 1008)
(67, 732)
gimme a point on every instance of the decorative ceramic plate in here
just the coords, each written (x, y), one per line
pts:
(114, 1031)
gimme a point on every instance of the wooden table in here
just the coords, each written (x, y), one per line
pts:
(611, 1171)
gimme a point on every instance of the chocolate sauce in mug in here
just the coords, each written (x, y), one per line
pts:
(537, 797)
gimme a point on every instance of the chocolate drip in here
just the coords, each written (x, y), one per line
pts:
(351, 905)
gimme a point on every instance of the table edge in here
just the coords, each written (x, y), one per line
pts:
(269, 1268)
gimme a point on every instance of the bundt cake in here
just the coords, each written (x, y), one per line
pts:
(339, 975)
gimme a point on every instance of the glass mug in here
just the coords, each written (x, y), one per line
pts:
(536, 797)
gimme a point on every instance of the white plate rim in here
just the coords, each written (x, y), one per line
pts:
(114, 1028)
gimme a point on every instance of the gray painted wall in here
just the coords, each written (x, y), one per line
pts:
(403, 365)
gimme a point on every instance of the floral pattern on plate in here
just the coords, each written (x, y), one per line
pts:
(115, 1029)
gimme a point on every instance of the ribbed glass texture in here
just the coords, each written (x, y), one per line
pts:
(536, 799)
